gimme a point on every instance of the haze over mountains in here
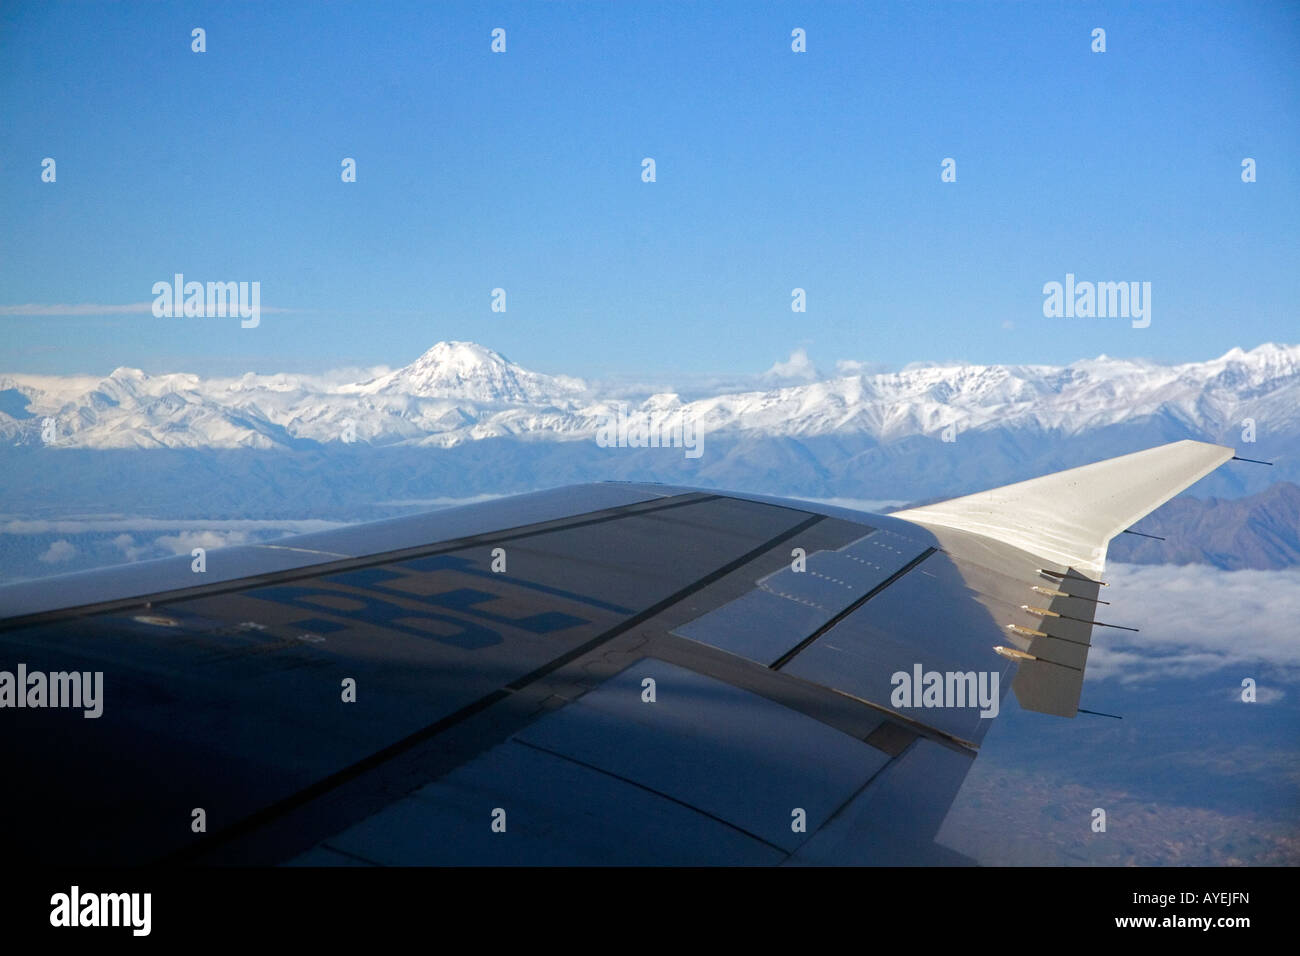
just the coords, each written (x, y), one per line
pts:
(272, 451)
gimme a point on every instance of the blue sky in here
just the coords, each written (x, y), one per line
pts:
(523, 171)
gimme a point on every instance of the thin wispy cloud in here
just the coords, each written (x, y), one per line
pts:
(139, 525)
(83, 308)
(71, 310)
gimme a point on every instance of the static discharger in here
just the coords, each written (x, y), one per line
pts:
(1072, 577)
(1038, 610)
(1050, 592)
(1044, 612)
(1143, 534)
(1013, 654)
(156, 620)
(1118, 627)
(1025, 631)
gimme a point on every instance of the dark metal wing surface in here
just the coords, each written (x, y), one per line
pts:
(600, 674)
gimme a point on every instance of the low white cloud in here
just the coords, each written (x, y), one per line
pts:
(186, 541)
(130, 550)
(797, 368)
(438, 502)
(1264, 693)
(1196, 620)
(848, 367)
(58, 552)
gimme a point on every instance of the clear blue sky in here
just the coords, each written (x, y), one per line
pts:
(522, 170)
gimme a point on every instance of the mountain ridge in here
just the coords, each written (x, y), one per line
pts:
(461, 391)
(1260, 531)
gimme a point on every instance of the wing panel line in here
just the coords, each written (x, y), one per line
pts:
(350, 564)
(379, 757)
(793, 652)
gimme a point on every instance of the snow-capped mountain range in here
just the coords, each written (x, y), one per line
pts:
(460, 392)
(137, 465)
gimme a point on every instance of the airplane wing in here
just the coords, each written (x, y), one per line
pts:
(599, 674)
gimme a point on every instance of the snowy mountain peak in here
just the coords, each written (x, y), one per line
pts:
(466, 370)
(1270, 354)
(466, 357)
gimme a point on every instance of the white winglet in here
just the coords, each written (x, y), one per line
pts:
(1070, 516)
